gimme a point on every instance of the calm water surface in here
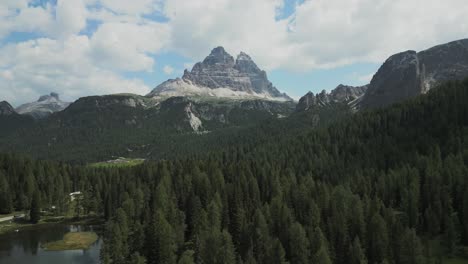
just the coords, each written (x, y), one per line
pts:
(24, 247)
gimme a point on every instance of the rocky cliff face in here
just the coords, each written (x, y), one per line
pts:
(6, 109)
(341, 94)
(411, 73)
(219, 75)
(46, 105)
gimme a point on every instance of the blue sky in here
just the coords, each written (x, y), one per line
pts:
(88, 47)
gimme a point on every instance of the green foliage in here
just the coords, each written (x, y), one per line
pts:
(6, 202)
(374, 188)
(411, 251)
(35, 211)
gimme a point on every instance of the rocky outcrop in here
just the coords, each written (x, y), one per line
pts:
(193, 120)
(341, 94)
(410, 73)
(308, 101)
(346, 93)
(6, 109)
(46, 105)
(202, 116)
(219, 75)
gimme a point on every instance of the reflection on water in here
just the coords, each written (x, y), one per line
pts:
(25, 247)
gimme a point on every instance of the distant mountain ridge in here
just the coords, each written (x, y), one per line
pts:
(341, 94)
(410, 73)
(220, 76)
(43, 107)
(402, 76)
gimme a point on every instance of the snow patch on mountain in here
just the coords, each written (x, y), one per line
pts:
(180, 87)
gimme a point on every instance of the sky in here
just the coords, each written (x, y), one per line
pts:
(93, 47)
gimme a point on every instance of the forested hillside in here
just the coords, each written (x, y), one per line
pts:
(85, 132)
(385, 186)
(99, 128)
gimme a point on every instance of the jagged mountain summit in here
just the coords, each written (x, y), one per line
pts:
(220, 76)
(341, 94)
(46, 105)
(6, 109)
(412, 73)
(402, 76)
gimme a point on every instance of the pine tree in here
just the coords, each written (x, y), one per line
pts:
(356, 253)
(137, 259)
(261, 237)
(465, 214)
(451, 235)
(411, 249)
(276, 254)
(116, 244)
(322, 257)
(298, 248)
(160, 242)
(318, 241)
(187, 257)
(217, 247)
(6, 203)
(378, 239)
(35, 211)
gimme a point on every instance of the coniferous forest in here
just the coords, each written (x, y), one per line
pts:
(382, 186)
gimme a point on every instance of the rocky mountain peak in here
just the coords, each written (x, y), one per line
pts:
(402, 59)
(218, 56)
(307, 102)
(341, 94)
(44, 106)
(6, 109)
(410, 73)
(244, 63)
(218, 75)
(243, 57)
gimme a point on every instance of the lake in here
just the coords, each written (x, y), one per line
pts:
(24, 247)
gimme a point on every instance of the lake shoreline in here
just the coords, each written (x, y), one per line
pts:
(53, 243)
(6, 228)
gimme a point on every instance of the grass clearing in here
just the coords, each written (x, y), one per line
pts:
(72, 241)
(118, 163)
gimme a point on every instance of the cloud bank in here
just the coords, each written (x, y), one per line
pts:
(87, 47)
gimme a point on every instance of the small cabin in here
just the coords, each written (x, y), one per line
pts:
(75, 195)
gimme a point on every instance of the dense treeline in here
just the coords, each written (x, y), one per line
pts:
(85, 133)
(96, 129)
(387, 186)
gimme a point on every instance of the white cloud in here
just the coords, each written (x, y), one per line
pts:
(64, 19)
(128, 46)
(319, 34)
(17, 16)
(36, 67)
(70, 17)
(326, 33)
(197, 26)
(329, 33)
(168, 70)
